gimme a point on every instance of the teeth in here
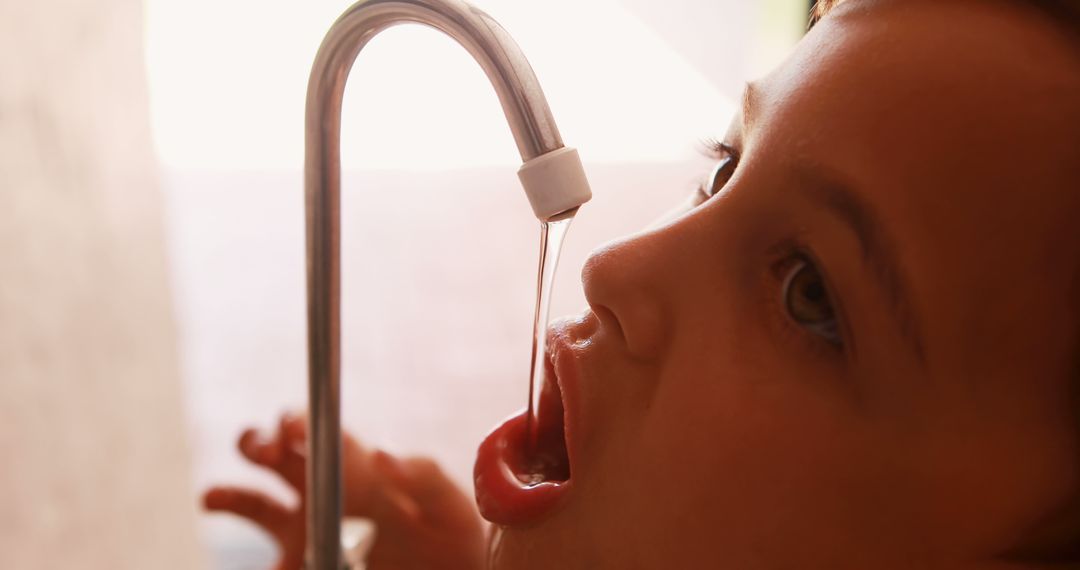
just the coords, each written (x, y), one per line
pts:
(531, 479)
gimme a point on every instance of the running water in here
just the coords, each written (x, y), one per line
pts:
(552, 233)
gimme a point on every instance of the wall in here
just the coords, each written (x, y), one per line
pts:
(95, 467)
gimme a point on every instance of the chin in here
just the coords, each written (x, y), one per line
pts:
(530, 549)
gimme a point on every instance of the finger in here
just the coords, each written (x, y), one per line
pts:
(283, 453)
(293, 428)
(292, 449)
(384, 556)
(388, 556)
(266, 512)
(353, 445)
(427, 485)
(360, 477)
(258, 448)
(391, 508)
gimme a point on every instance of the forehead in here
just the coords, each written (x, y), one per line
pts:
(957, 122)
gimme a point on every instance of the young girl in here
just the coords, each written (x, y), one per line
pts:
(857, 346)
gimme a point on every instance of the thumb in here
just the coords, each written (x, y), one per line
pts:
(421, 479)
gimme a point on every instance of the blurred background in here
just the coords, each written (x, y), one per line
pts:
(151, 238)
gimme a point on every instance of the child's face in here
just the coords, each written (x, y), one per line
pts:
(859, 352)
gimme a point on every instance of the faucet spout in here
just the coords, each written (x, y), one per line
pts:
(551, 175)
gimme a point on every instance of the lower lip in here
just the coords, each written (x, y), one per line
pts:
(513, 485)
(507, 492)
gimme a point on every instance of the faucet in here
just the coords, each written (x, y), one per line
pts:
(551, 175)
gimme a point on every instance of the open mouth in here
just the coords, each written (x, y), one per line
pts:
(544, 456)
(519, 478)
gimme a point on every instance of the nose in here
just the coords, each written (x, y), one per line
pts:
(624, 284)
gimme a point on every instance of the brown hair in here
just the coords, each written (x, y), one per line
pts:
(1064, 12)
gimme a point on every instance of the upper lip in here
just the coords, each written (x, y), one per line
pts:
(565, 345)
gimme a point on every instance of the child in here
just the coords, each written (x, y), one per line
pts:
(857, 347)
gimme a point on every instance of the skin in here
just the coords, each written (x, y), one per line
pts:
(424, 521)
(714, 430)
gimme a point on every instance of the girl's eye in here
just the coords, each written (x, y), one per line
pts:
(806, 301)
(727, 159)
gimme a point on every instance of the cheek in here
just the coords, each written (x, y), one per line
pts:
(743, 450)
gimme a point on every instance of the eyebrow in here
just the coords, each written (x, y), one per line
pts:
(878, 248)
(749, 104)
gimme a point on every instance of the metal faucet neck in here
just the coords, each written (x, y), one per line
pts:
(536, 135)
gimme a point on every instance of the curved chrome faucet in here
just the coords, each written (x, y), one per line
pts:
(551, 174)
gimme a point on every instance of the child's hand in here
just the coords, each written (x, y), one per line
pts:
(422, 519)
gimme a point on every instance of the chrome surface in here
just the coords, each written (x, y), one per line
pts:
(534, 131)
